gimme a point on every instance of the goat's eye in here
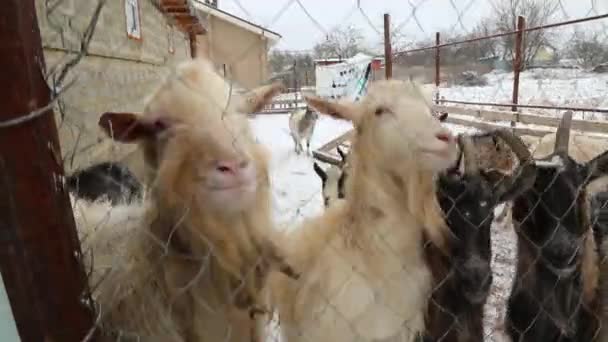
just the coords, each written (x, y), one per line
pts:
(379, 111)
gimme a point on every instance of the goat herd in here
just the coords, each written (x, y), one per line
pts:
(401, 252)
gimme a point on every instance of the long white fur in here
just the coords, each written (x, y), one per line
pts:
(364, 276)
(156, 292)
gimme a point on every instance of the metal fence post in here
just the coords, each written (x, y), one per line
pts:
(388, 55)
(40, 251)
(517, 63)
(437, 65)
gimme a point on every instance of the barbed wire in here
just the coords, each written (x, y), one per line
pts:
(463, 76)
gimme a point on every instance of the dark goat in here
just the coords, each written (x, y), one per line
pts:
(555, 291)
(463, 276)
(110, 180)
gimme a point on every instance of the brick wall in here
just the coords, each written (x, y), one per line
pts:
(117, 75)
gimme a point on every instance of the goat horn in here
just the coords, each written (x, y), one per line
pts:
(562, 136)
(524, 176)
(471, 166)
(516, 144)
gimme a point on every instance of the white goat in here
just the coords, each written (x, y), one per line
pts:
(364, 274)
(301, 126)
(188, 258)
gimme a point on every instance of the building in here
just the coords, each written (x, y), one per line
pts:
(134, 46)
(238, 47)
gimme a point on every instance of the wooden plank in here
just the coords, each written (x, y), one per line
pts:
(326, 157)
(525, 118)
(40, 257)
(337, 141)
(487, 126)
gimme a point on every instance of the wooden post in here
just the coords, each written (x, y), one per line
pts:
(437, 66)
(39, 246)
(388, 54)
(193, 43)
(517, 62)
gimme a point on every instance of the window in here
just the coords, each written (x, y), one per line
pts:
(133, 20)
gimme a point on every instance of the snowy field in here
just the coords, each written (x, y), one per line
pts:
(549, 87)
(297, 194)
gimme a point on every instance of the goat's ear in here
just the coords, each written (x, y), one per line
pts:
(341, 153)
(320, 172)
(339, 110)
(596, 168)
(130, 127)
(257, 98)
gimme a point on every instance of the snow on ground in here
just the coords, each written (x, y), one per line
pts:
(296, 187)
(553, 87)
(297, 194)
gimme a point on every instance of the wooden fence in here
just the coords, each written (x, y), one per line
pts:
(483, 120)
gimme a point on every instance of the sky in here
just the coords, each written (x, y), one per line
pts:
(302, 23)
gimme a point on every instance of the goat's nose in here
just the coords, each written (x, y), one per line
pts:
(445, 136)
(226, 166)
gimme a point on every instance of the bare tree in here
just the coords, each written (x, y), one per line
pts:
(536, 12)
(588, 48)
(342, 42)
(294, 68)
(486, 47)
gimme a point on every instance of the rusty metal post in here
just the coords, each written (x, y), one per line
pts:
(388, 54)
(437, 66)
(39, 246)
(517, 62)
(193, 43)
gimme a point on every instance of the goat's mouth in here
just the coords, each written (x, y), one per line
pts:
(247, 185)
(560, 271)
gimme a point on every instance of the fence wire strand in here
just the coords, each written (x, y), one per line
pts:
(539, 255)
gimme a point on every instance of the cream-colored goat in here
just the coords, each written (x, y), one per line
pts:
(364, 276)
(189, 263)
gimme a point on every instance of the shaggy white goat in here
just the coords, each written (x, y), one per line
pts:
(364, 274)
(301, 126)
(194, 257)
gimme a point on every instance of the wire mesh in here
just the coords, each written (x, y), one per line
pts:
(531, 265)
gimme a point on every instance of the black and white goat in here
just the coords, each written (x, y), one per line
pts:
(555, 295)
(301, 126)
(332, 180)
(109, 180)
(463, 276)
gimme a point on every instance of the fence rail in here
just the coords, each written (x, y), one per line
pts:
(516, 63)
(484, 120)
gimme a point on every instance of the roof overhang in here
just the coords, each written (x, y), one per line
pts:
(183, 17)
(272, 36)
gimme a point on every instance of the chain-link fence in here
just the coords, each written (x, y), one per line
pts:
(504, 243)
